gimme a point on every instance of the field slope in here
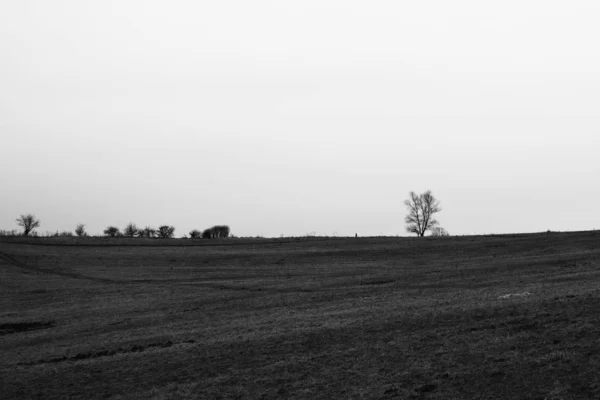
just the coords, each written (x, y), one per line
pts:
(490, 317)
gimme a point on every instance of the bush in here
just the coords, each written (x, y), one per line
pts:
(166, 231)
(112, 231)
(195, 234)
(130, 230)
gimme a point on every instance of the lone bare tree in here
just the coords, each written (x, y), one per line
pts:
(29, 222)
(421, 208)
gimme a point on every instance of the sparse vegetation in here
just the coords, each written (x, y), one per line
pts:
(28, 222)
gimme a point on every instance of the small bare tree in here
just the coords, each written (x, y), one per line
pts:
(165, 231)
(112, 231)
(130, 230)
(29, 222)
(421, 208)
(80, 230)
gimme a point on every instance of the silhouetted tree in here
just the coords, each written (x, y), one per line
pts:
(195, 234)
(130, 230)
(221, 231)
(112, 231)
(165, 231)
(147, 232)
(421, 208)
(80, 230)
(216, 232)
(29, 222)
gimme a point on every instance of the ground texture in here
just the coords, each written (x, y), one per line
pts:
(494, 317)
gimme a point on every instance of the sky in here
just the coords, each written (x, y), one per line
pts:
(300, 117)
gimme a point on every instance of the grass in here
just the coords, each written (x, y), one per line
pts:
(318, 318)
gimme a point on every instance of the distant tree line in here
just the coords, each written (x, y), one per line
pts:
(167, 232)
(29, 222)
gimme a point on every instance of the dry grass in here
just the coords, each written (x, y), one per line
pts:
(370, 318)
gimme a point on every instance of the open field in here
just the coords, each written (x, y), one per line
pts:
(366, 318)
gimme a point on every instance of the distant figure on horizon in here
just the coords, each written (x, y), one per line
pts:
(356, 235)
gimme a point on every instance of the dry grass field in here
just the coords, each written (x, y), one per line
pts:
(339, 318)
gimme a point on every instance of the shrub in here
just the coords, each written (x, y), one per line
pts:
(166, 231)
(195, 234)
(112, 231)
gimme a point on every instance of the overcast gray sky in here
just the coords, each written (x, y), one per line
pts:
(290, 117)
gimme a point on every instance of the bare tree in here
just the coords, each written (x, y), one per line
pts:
(29, 222)
(112, 231)
(130, 230)
(421, 208)
(165, 231)
(80, 230)
(147, 232)
(216, 232)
